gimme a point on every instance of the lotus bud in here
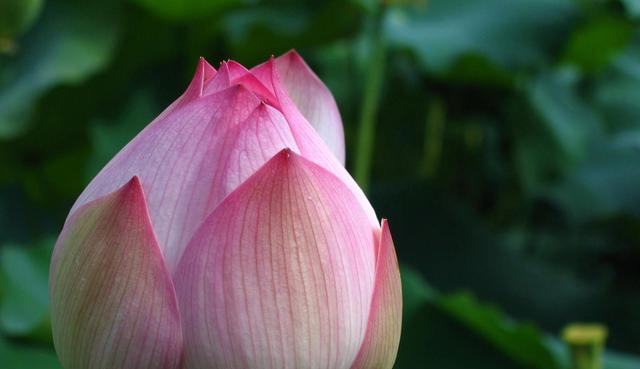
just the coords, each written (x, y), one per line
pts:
(228, 234)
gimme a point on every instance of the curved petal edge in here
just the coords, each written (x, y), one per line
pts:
(310, 95)
(311, 145)
(380, 345)
(173, 157)
(280, 275)
(203, 74)
(113, 303)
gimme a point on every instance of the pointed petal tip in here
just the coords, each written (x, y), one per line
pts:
(233, 63)
(133, 184)
(304, 98)
(293, 54)
(385, 231)
(244, 93)
(235, 92)
(295, 60)
(203, 72)
(291, 206)
(208, 69)
(132, 192)
(223, 67)
(286, 151)
(380, 347)
(111, 242)
(386, 248)
(285, 155)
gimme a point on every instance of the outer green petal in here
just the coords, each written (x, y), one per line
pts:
(113, 303)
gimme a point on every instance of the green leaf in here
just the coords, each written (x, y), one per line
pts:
(511, 34)
(415, 291)
(185, 9)
(608, 35)
(521, 342)
(455, 250)
(24, 308)
(632, 7)
(16, 16)
(607, 181)
(569, 120)
(437, 328)
(606, 184)
(617, 360)
(618, 91)
(431, 339)
(23, 357)
(254, 33)
(66, 47)
(466, 326)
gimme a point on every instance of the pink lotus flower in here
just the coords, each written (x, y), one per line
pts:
(228, 235)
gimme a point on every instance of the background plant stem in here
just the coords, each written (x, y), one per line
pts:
(370, 99)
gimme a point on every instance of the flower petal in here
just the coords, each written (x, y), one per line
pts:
(221, 81)
(169, 157)
(280, 275)
(203, 74)
(244, 149)
(113, 304)
(311, 145)
(233, 73)
(311, 96)
(380, 345)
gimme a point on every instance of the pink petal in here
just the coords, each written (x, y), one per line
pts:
(221, 81)
(280, 275)
(172, 157)
(380, 345)
(190, 158)
(204, 73)
(311, 145)
(113, 304)
(311, 97)
(244, 149)
(233, 73)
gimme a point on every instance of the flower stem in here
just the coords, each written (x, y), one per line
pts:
(434, 132)
(370, 99)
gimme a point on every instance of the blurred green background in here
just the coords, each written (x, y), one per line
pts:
(500, 137)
